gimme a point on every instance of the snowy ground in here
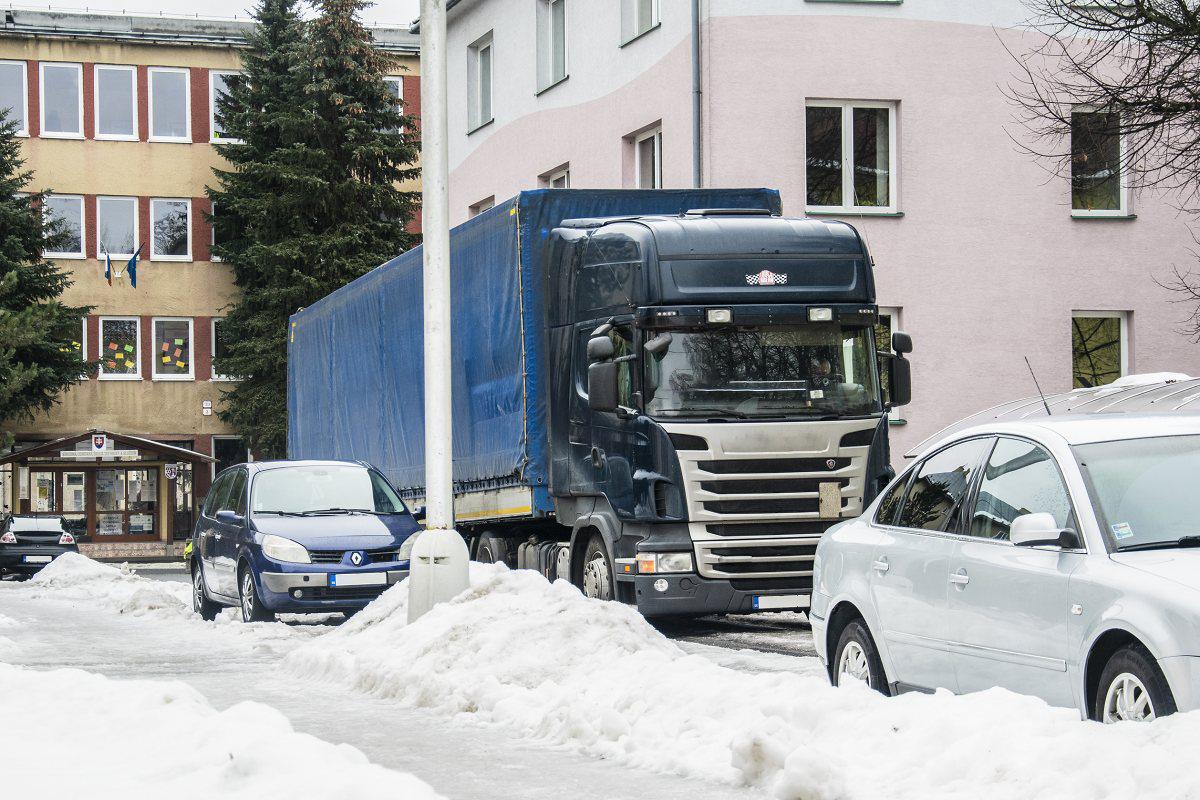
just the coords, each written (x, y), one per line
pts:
(524, 688)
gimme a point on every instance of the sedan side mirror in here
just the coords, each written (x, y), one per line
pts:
(230, 517)
(1040, 530)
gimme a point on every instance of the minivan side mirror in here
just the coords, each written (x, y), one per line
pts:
(229, 517)
(602, 386)
(1040, 530)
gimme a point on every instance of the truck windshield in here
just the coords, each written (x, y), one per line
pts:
(818, 369)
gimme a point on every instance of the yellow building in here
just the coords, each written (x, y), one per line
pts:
(117, 115)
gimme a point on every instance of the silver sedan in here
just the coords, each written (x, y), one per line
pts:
(1056, 557)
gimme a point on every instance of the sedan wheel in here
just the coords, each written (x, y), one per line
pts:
(1132, 688)
(853, 664)
(856, 659)
(1127, 701)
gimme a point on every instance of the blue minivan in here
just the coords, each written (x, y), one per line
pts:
(298, 537)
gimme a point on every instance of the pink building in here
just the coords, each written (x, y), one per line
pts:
(889, 114)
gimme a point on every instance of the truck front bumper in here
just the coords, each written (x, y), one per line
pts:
(690, 594)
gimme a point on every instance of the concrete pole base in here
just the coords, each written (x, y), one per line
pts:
(437, 571)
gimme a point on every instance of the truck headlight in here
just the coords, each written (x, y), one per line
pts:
(654, 563)
(278, 548)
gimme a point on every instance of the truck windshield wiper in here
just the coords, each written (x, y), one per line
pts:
(728, 412)
(1183, 541)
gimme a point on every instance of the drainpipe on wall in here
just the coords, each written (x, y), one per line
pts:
(696, 176)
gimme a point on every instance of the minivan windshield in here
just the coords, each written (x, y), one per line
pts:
(815, 369)
(316, 489)
(1145, 490)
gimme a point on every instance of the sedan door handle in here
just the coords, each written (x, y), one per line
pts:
(881, 565)
(960, 578)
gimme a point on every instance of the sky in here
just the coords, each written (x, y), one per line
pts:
(388, 13)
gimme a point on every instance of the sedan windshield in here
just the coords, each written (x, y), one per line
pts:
(1145, 489)
(329, 489)
(819, 369)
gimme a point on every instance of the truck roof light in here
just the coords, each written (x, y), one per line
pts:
(820, 315)
(720, 315)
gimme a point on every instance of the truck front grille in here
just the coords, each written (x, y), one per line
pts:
(775, 558)
(795, 505)
(761, 465)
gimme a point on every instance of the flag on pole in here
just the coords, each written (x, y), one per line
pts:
(131, 267)
(107, 267)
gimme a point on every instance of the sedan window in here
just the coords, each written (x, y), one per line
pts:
(1021, 478)
(891, 502)
(940, 484)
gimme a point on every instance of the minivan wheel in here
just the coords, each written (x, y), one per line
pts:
(1132, 688)
(252, 607)
(206, 608)
(597, 572)
(857, 659)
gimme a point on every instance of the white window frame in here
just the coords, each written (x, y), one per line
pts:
(190, 224)
(212, 107)
(651, 133)
(212, 234)
(896, 313)
(212, 370)
(156, 359)
(137, 349)
(475, 119)
(399, 81)
(630, 30)
(187, 104)
(847, 107)
(115, 137)
(83, 343)
(1124, 210)
(23, 131)
(486, 204)
(1123, 316)
(562, 173)
(42, 95)
(226, 437)
(545, 51)
(83, 234)
(136, 222)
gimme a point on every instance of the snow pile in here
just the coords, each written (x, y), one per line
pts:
(8, 622)
(68, 733)
(550, 665)
(76, 577)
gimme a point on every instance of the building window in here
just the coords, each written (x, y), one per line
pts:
(850, 156)
(637, 17)
(62, 101)
(218, 88)
(220, 349)
(1099, 347)
(395, 87)
(14, 94)
(120, 349)
(647, 159)
(1097, 185)
(171, 230)
(172, 349)
(229, 451)
(116, 102)
(552, 42)
(81, 346)
(116, 226)
(65, 213)
(483, 205)
(169, 117)
(479, 83)
(889, 322)
(557, 178)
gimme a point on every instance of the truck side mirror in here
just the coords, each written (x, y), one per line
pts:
(659, 344)
(600, 348)
(602, 386)
(901, 342)
(899, 380)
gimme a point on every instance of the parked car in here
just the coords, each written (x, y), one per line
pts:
(300, 537)
(1052, 556)
(28, 543)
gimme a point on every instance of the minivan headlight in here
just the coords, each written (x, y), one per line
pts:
(405, 553)
(278, 548)
(654, 563)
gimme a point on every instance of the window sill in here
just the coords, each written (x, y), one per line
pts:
(550, 86)
(120, 377)
(481, 126)
(222, 379)
(52, 135)
(891, 420)
(172, 378)
(171, 139)
(1089, 216)
(176, 259)
(226, 141)
(60, 256)
(115, 137)
(646, 32)
(851, 212)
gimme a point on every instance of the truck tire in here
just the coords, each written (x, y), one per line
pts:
(597, 576)
(493, 549)
(1132, 688)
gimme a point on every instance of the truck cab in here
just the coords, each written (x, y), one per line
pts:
(716, 402)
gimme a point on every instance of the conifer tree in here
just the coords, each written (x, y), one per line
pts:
(310, 201)
(40, 337)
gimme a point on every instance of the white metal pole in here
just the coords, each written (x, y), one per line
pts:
(439, 557)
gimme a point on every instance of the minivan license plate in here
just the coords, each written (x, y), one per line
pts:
(38, 559)
(358, 579)
(765, 602)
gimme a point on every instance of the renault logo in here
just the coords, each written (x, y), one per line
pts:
(356, 559)
(831, 463)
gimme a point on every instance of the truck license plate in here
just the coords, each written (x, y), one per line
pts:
(38, 559)
(766, 602)
(358, 579)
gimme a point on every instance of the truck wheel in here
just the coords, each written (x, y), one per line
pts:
(493, 549)
(597, 571)
(1132, 688)
(857, 659)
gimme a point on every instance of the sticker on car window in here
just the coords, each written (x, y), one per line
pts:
(1121, 530)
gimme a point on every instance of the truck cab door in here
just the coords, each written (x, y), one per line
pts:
(608, 462)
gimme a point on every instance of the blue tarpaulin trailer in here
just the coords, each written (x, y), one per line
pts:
(355, 365)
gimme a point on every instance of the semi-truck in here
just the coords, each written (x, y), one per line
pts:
(662, 396)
